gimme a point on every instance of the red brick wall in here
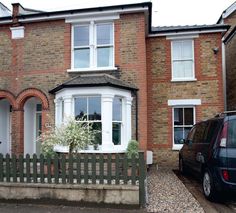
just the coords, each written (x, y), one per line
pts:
(208, 88)
(40, 61)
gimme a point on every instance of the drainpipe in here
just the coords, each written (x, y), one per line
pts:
(224, 75)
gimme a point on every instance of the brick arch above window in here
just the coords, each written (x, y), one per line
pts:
(9, 96)
(29, 93)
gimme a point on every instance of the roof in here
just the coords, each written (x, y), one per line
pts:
(187, 28)
(4, 11)
(230, 35)
(227, 12)
(94, 80)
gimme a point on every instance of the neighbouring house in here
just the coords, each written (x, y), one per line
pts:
(229, 45)
(129, 79)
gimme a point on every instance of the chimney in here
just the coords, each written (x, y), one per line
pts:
(15, 13)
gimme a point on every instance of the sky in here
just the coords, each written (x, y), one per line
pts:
(165, 12)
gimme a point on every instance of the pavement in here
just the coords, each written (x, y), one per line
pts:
(40, 208)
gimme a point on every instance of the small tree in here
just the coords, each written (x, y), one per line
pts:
(132, 149)
(77, 135)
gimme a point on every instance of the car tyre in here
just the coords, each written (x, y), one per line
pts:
(182, 168)
(208, 186)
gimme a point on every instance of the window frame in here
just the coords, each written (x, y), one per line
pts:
(93, 47)
(193, 78)
(179, 146)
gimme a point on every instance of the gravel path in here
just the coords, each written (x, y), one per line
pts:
(166, 193)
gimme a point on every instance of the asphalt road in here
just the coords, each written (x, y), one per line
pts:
(40, 208)
(226, 203)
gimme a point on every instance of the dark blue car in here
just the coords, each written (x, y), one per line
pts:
(210, 151)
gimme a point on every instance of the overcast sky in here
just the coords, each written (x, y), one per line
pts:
(165, 12)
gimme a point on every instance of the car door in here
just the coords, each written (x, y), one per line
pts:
(197, 146)
(187, 148)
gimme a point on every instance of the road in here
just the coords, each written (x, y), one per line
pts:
(227, 203)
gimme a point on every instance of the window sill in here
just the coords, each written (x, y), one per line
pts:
(183, 80)
(177, 147)
(93, 69)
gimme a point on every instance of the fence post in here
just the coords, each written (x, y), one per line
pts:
(142, 177)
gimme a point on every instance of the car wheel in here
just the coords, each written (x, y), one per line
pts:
(181, 166)
(208, 186)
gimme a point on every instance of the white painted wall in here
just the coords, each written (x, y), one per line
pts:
(29, 126)
(4, 126)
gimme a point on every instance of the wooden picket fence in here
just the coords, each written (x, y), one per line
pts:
(93, 168)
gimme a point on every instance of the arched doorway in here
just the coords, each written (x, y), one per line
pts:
(32, 126)
(5, 126)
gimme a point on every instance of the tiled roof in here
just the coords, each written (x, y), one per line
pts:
(92, 80)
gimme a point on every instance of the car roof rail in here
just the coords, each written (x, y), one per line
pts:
(222, 114)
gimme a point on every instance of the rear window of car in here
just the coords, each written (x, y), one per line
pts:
(231, 140)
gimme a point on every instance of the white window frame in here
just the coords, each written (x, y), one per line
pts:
(93, 47)
(178, 103)
(179, 146)
(192, 59)
(107, 94)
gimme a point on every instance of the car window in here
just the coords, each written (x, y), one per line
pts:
(191, 134)
(199, 134)
(231, 140)
(211, 131)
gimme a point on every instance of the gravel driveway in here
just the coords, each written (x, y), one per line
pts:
(166, 193)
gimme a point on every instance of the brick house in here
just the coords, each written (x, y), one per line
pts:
(229, 44)
(130, 80)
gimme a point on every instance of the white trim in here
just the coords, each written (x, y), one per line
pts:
(92, 69)
(186, 33)
(81, 13)
(183, 79)
(184, 102)
(193, 62)
(179, 37)
(82, 19)
(17, 32)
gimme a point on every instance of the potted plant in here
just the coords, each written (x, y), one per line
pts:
(132, 151)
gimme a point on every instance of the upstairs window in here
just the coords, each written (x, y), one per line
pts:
(182, 60)
(93, 46)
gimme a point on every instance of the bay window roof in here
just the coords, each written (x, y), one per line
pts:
(94, 80)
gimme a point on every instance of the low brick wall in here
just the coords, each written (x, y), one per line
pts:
(107, 194)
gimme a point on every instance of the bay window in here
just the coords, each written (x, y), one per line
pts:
(93, 46)
(108, 110)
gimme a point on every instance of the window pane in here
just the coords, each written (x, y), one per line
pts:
(199, 134)
(94, 108)
(187, 52)
(81, 35)
(104, 34)
(39, 107)
(178, 116)
(178, 69)
(104, 56)
(116, 133)
(81, 58)
(98, 136)
(176, 48)
(80, 108)
(188, 116)
(188, 69)
(186, 131)
(117, 109)
(178, 135)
